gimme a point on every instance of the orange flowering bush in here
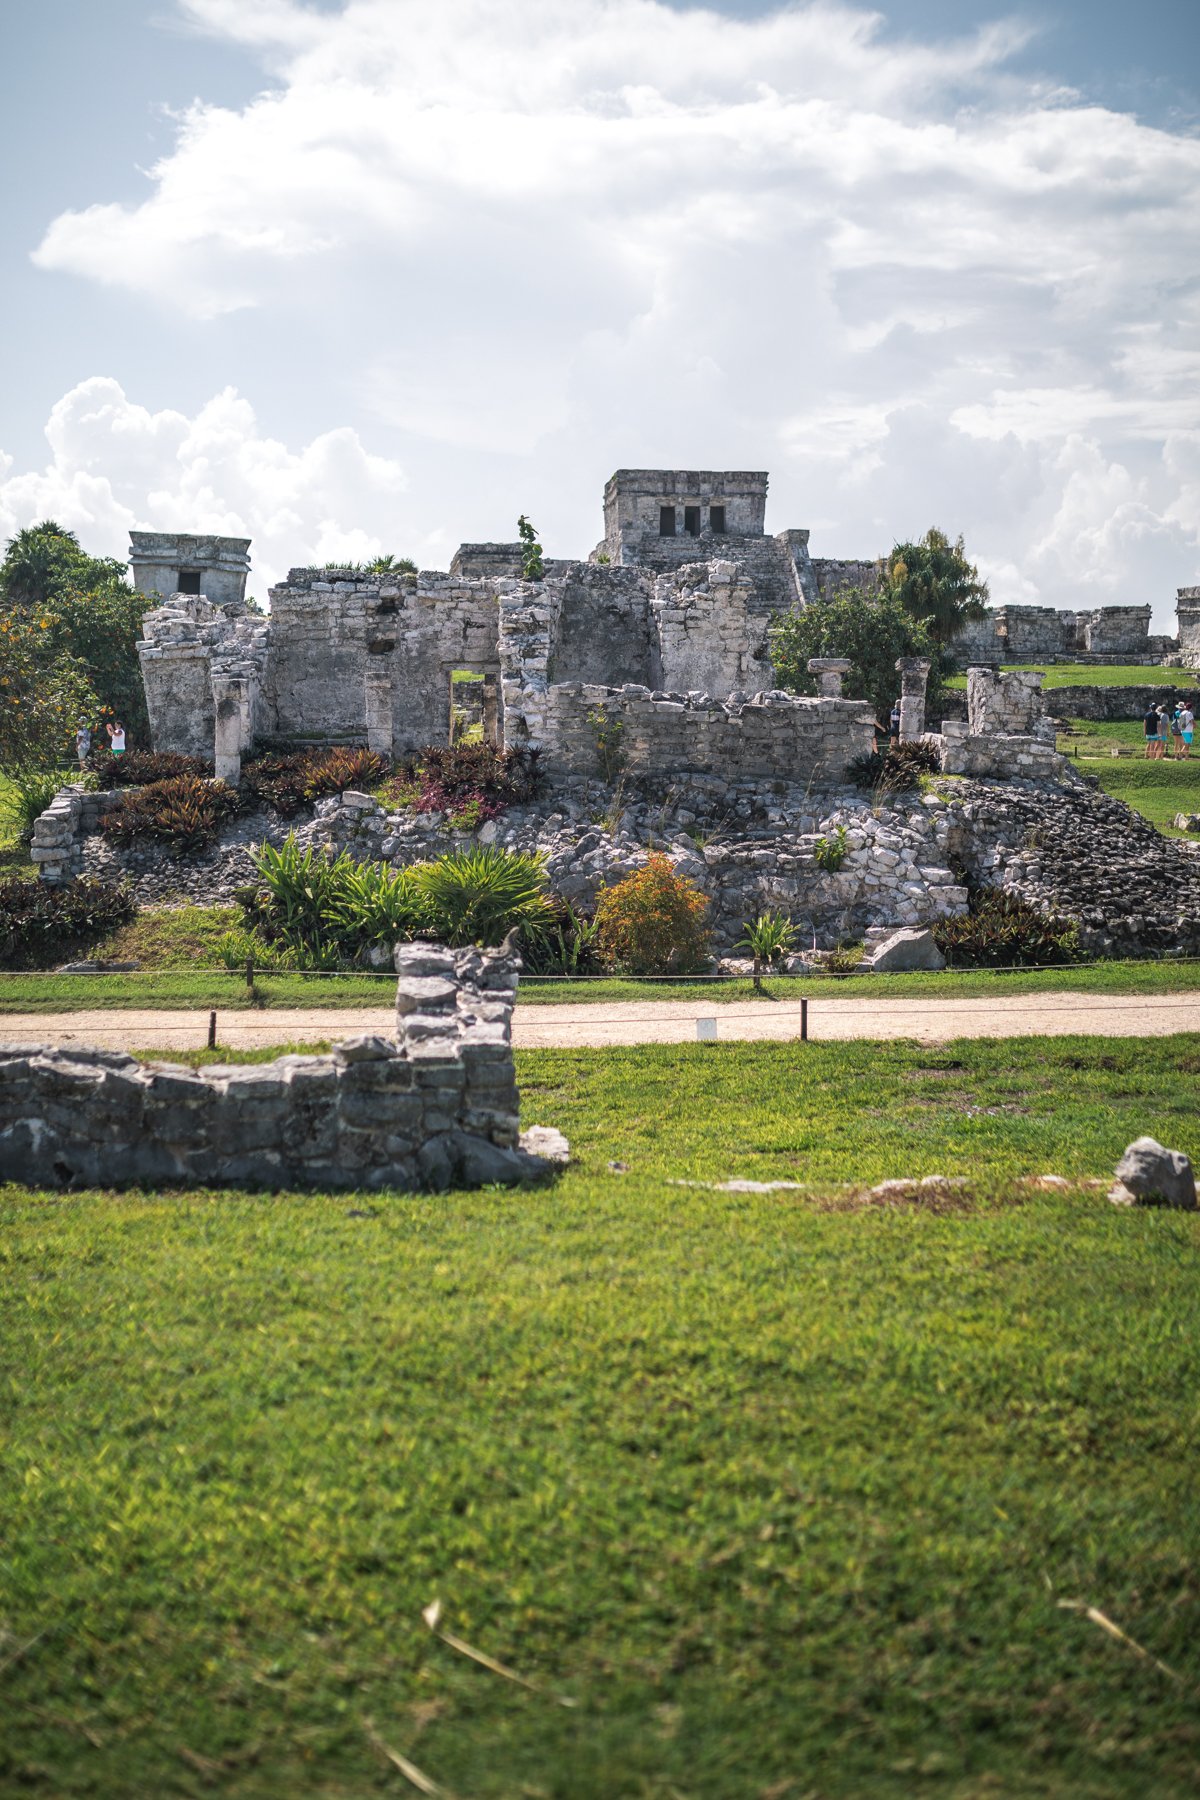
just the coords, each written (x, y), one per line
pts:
(652, 923)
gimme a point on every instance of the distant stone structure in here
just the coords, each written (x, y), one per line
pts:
(1032, 633)
(664, 629)
(1187, 611)
(166, 563)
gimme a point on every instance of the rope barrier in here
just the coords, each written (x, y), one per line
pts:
(246, 1024)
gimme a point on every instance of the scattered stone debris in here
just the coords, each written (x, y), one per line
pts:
(1150, 1175)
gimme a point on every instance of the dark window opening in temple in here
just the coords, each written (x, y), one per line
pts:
(691, 520)
(716, 520)
(666, 521)
(189, 581)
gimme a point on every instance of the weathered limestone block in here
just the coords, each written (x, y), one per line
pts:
(905, 950)
(1005, 702)
(1150, 1175)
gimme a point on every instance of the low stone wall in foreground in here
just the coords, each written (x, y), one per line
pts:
(436, 1108)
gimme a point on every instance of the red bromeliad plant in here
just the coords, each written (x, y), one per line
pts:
(652, 923)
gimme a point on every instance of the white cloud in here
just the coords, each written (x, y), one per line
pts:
(116, 467)
(561, 235)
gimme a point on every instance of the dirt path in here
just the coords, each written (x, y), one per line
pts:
(646, 1022)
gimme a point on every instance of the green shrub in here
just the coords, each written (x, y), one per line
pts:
(769, 938)
(478, 896)
(1003, 931)
(896, 769)
(652, 923)
(39, 924)
(29, 793)
(184, 814)
(829, 853)
(330, 912)
(567, 944)
(291, 781)
(143, 768)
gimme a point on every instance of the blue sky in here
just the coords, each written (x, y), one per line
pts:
(380, 275)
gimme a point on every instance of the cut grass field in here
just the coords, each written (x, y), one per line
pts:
(1157, 790)
(783, 1499)
(1101, 675)
(204, 989)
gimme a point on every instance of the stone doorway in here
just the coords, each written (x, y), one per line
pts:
(474, 706)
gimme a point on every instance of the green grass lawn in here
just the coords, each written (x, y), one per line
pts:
(14, 855)
(211, 988)
(1101, 675)
(782, 1498)
(1158, 790)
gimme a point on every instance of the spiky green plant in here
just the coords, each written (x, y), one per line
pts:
(478, 896)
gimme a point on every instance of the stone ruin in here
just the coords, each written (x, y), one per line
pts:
(662, 632)
(656, 647)
(436, 1107)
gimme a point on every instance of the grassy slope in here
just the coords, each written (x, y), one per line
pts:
(783, 1499)
(1158, 790)
(1101, 675)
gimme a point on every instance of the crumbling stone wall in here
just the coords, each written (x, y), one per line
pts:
(1108, 703)
(711, 632)
(73, 815)
(1187, 613)
(369, 657)
(1027, 633)
(192, 654)
(435, 1108)
(779, 734)
(1005, 702)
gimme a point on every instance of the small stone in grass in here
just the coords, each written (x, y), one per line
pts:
(1150, 1175)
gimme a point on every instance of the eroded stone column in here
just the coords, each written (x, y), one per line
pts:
(831, 670)
(914, 674)
(231, 713)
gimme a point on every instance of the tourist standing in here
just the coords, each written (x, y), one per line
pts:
(83, 742)
(116, 738)
(1187, 725)
(1164, 730)
(1150, 727)
(894, 726)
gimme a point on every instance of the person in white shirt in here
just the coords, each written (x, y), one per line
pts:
(116, 738)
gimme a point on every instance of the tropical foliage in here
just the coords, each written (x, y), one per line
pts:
(533, 566)
(934, 582)
(83, 621)
(1003, 931)
(652, 922)
(872, 630)
(331, 912)
(479, 780)
(478, 896)
(39, 923)
(184, 814)
(896, 769)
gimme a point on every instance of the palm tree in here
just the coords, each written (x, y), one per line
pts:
(35, 560)
(933, 581)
